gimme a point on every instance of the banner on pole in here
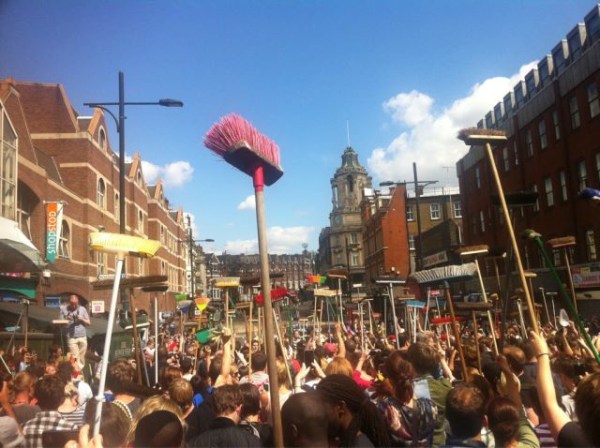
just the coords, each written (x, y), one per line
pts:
(54, 213)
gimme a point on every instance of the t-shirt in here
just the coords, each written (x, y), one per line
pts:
(436, 390)
(75, 328)
(572, 435)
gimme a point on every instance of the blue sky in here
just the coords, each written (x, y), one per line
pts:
(405, 75)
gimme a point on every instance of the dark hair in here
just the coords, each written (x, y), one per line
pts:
(465, 408)
(259, 361)
(250, 400)
(50, 392)
(484, 386)
(503, 417)
(227, 398)
(169, 374)
(366, 418)
(119, 375)
(587, 406)
(160, 428)
(186, 365)
(65, 371)
(515, 357)
(399, 375)
(304, 416)
(569, 366)
(215, 368)
(423, 357)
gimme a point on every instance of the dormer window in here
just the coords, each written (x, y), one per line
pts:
(138, 178)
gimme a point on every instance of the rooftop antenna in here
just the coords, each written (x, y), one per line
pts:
(348, 132)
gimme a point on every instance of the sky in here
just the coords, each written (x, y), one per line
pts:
(394, 79)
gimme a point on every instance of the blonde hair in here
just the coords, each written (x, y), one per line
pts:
(339, 366)
(153, 404)
(282, 373)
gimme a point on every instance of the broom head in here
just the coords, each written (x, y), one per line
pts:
(565, 241)
(242, 146)
(472, 306)
(445, 273)
(480, 136)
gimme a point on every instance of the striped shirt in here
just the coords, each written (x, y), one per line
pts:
(545, 436)
(75, 417)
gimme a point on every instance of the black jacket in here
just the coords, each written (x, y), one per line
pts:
(223, 432)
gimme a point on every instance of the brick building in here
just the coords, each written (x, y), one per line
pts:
(67, 159)
(551, 119)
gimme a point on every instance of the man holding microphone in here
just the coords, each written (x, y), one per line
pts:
(78, 319)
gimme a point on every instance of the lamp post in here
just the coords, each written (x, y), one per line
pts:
(120, 122)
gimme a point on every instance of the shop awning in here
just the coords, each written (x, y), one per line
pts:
(19, 286)
(17, 252)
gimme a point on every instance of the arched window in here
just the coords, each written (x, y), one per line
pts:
(138, 178)
(140, 221)
(117, 208)
(101, 194)
(102, 139)
(64, 241)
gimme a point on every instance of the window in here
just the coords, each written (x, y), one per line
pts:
(593, 102)
(516, 153)
(102, 139)
(162, 234)
(8, 168)
(354, 238)
(574, 111)
(564, 194)
(482, 221)
(536, 206)
(409, 214)
(543, 135)
(101, 262)
(350, 184)
(24, 214)
(434, 211)
(457, 209)
(529, 143)
(556, 257)
(549, 192)
(590, 243)
(140, 221)
(64, 240)
(478, 178)
(411, 242)
(505, 160)
(354, 261)
(117, 208)
(138, 178)
(556, 125)
(335, 196)
(582, 175)
(101, 194)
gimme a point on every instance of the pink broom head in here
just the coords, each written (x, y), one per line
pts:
(242, 146)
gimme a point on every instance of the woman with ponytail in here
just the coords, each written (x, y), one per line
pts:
(411, 420)
(353, 419)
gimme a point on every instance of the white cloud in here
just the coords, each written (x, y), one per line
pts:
(429, 138)
(173, 174)
(247, 204)
(281, 240)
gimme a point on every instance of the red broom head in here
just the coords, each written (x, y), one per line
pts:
(242, 146)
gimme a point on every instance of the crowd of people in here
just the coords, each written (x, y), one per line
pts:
(336, 388)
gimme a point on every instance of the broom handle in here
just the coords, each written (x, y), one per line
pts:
(268, 306)
(489, 313)
(565, 296)
(570, 277)
(107, 340)
(513, 240)
(463, 363)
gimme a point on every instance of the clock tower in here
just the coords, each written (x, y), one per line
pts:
(345, 231)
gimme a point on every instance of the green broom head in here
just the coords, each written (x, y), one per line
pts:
(242, 146)
(480, 136)
(452, 273)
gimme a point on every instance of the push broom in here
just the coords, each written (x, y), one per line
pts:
(444, 275)
(242, 146)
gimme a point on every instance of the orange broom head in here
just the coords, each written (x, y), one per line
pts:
(565, 241)
(479, 136)
(242, 146)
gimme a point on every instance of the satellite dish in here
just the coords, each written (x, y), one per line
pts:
(563, 318)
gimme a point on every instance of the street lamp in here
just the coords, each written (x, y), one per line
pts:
(120, 122)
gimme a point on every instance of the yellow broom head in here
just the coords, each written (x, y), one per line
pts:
(116, 243)
(227, 282)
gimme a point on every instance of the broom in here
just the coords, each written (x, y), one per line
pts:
(444, 275)
(242, 146)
